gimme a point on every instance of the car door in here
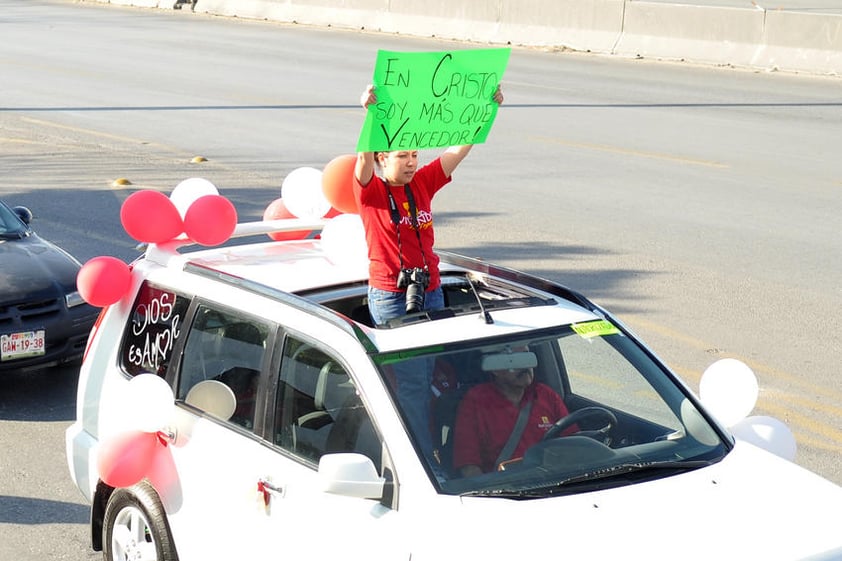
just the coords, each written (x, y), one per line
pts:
(209, 488)
(243, 482)
(317, 410)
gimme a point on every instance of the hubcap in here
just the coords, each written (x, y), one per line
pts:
(131, 539)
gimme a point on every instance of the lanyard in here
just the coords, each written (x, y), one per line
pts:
(396, 220)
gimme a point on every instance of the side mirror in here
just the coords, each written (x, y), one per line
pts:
(350, 475)
(24, 214)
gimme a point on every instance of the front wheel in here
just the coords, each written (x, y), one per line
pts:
(135, 526)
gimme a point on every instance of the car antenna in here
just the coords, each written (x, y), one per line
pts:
(484, 315)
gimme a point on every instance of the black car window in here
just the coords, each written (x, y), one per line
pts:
(10, 224)
(225, 347)
(155, 326)
(318, 410)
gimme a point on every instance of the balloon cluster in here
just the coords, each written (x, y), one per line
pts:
(729, 390)
(138, 451)
(312, 194)
(194, 209)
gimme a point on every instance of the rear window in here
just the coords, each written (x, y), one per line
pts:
(155, 326)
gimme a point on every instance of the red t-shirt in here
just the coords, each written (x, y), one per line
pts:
(486, 418)
(380, 232)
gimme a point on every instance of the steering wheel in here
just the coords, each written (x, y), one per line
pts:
(600, 434)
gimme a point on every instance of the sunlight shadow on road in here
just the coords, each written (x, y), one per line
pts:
(26, 510)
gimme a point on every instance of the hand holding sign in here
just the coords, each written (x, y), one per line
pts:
(432, 100)
(368, 97)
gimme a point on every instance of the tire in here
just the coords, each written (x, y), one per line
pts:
(135, 527)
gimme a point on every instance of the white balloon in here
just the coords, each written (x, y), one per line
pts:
(767, 433)
(343, 240)
(302, 193)
(149, 403)
(188, 191)
(728, 389)
(214, 397)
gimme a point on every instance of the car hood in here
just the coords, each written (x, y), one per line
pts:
(751, 505)
(34, 268)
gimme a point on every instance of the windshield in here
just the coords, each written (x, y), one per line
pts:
(10, 225)
(562, 410)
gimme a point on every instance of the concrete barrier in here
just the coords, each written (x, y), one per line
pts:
(720, 35)
(695, 33)
(801, 42)
(582, 25)
(353, 14)
(586, 25)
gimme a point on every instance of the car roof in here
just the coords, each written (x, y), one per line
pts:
(303, 273)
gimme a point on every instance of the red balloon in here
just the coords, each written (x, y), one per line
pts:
(210, 220)
(127, 457)
(103, 280)
(332, 213)
(163, 475)
(277, 210)
(151, 217)
(338, 183)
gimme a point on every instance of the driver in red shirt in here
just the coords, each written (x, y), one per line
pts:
(489, 412)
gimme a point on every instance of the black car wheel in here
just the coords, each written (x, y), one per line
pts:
(135, 527)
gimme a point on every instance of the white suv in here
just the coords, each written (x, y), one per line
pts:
(288, 439)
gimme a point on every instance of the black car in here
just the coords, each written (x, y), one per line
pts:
(43, 319)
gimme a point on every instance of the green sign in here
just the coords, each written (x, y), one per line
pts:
(595, 328)
(432, 100)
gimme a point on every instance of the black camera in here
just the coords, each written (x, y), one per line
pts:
(415, 282)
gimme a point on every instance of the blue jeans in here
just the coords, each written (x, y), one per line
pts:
(413, 376)
(384, 305)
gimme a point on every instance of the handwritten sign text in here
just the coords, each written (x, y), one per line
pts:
(432, 100)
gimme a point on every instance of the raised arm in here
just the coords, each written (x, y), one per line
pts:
(364, 168)
(453, 156)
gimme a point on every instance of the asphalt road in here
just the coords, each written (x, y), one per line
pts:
(42, 515)
(701, 205)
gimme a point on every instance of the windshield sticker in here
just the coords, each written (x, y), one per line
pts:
(598, 328)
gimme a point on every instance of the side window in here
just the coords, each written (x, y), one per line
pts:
(318, 409)
(227, 348)
(155, 326)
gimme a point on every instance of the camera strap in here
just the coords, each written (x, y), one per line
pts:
(413, 216)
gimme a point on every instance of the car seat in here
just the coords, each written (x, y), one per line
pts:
(332, 390)
(353, 431)
(241, 353)
(462, 371)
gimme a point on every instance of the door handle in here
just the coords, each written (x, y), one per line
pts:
(267, 489)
